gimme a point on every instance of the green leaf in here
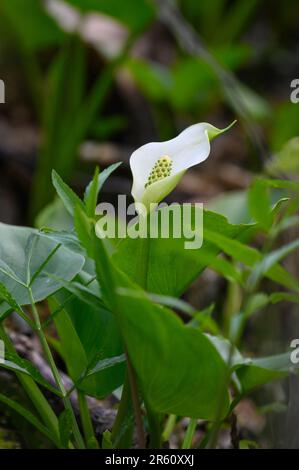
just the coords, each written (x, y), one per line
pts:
(270, 260)
(286, 161)
(80, 291)
(252, 373)
(91, 194)
(28, 416)
(179, 369)
(284, 296)
(232, 205)
(8, 298)
(34, 28)
(66, 93)
(48, 255)
(66, 194)
(250, 257)
(94, 187)
(6, 295)
(141, 11)
(54, 216)
(260, 205)
(15, 364)
(171, 267)
(281, 184)
(239, 251)
(65, 427)
(257, 372)
(104, 364)
(168, 301)
(255, 303)
(89, 338)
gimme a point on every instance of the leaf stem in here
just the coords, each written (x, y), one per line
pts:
(169, 426)
(56, 375)
(187, 443)
(35, 395)
(122, 431)
(136, 405)
(89, 434)
(154, 421)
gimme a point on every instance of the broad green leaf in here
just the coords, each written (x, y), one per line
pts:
(16, 266)
(54, 216)
(179, 369)
(88, 336)
(171, 267)
(69, 343)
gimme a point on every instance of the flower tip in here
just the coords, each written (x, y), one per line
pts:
(214, 131)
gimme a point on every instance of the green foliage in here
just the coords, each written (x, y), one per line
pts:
(27, 259)
(116, 308)
(34, 28)
(120, 325)
(141, 11)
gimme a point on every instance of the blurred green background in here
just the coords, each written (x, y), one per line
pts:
(88, 81)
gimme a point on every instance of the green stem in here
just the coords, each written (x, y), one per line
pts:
(88, 430)
(187, 443)
(56, 375)
(35, 395)
(122, 431)
(154, 424)
(169, 427)
(136, 405)
(154, 420)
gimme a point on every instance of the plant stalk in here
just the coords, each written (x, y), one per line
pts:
(47, 351)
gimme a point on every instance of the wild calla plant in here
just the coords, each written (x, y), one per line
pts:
(116, 312)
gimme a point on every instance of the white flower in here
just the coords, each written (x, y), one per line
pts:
(157, 167)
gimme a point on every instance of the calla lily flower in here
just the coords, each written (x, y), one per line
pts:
(157, 167)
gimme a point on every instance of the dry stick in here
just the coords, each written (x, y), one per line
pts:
(191, 43)
(234, 434)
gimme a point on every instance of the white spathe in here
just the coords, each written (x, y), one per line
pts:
(190, 147)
